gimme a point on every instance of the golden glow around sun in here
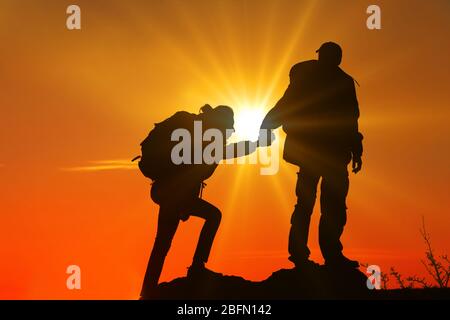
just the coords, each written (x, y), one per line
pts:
(247, 120)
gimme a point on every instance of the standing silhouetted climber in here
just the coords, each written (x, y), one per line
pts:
(177, 187)
(319, 113)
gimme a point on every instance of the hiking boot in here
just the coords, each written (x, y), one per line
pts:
(342, 262)
(201, 271)
(304, 264)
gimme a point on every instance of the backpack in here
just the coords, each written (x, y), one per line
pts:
(155, 160)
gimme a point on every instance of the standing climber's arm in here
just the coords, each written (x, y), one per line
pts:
(277, 115)
(356, 136)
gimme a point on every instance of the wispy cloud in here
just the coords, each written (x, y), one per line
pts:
(104, 165)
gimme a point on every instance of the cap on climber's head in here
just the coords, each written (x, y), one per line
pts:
(330, 53)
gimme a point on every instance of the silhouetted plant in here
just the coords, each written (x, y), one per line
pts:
(437, 267)
(421, 281)
(398, 277)
(384, 280)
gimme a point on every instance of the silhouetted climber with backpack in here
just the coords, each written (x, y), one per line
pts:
(319, 113)
(177, 187)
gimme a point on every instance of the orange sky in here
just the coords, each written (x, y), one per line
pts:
(76, 104)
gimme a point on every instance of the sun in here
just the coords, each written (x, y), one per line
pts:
(247, 121)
